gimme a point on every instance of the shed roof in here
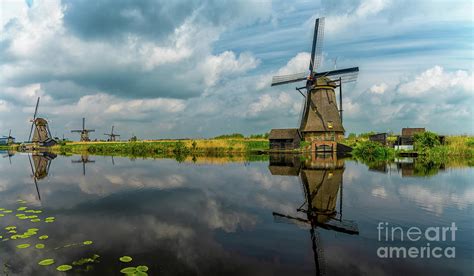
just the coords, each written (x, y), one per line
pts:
(410, 131)
(284, 133)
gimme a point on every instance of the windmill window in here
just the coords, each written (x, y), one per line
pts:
(330, 126)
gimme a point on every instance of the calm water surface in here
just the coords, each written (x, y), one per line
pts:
(214, 217)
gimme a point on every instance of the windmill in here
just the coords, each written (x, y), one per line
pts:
(322, 181)
(40, 167)
(84, 132)
(42, 134)
(84, 159)
(321, 120)
(10, 138)
(111, 135)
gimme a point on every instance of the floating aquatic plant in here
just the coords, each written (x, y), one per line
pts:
(44, 237)
(142, 268)
(22, 246)
(8, 211)
(129, 270)
(125, 259)
(64, 268)
(87, 242)
(35, 220)
(46, 262)
(23, 208)
(39, 246)
(8, 228)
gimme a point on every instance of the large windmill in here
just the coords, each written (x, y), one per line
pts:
(112, 135)
(84, 132)
(42, 134)
(321, 120)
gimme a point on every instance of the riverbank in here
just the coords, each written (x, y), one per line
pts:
(454, 147)
(157, 147)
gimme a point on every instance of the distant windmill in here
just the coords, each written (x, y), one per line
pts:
(41, 134)
(84, 132)
(111, 135)
(321, 120)
(10, 138)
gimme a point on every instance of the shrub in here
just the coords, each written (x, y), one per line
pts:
(426, 140)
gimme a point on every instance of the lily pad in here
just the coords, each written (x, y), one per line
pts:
(10, 228)
(39, 246)
(44, 237)
(46, 262)
(140, 273)
(8, 211)
(22, 246)
(64, 268)
(128, 270)
(142, 268)
(88, 242)
(125, 259)
(23, 208)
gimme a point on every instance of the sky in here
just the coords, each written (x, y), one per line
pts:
(197, 69)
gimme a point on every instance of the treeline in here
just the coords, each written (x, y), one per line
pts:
(241, 136)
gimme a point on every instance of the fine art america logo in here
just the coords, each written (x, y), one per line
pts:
(433, 241)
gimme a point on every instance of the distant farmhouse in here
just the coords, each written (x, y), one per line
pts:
(404, 141)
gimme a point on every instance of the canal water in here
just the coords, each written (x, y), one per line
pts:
(280, 215)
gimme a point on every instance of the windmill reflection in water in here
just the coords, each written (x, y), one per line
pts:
(321, 177)
(84, 160)
(39, 164)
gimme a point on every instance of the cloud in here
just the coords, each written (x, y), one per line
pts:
(226, 64)
(432, 96)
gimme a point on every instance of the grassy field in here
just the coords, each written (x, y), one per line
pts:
(157, 147)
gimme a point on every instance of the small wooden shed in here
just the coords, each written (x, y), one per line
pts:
(284, 139)
(379, 138)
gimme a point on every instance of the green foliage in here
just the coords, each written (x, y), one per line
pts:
(230, 136)
(370, 151)
(259, 136)
(366, 134)
(426, 140)
(470, 142)
(352, 136)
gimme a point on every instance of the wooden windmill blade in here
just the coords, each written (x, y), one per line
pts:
(318, 253)
(338, 73)
(317, 47)
(34, 119)
(34, 178)
(284, 79)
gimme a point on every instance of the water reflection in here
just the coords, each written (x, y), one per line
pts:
(8, 154)
(408, 167)
(322, 180)
(40, 167)
(84, 160)
(212, 215)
